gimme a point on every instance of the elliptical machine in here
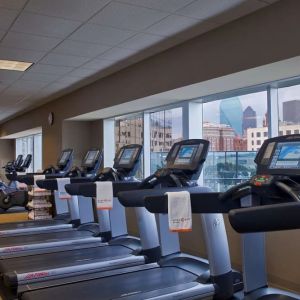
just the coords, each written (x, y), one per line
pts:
(10, 194)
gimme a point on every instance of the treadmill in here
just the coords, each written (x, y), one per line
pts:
(21, 270)
(184, 164)
(269, 201)
(47, 238)
(30, 227)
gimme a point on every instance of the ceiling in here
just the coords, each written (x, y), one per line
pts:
(75, 42)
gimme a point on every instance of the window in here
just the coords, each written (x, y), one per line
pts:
(129, 130)
(31, 145)
(265, 134)
(165, 129)
(296, 131)
(231, 125)
(258, 142)
(289, 108)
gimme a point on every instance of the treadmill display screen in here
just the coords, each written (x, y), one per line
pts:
(90, 157)
(286, 156)
(127, 156)
(185, 154)
(64, 157)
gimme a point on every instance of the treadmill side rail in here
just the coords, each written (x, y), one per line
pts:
(32, 230)
(16, 249)
(103, 265)
(191, 290)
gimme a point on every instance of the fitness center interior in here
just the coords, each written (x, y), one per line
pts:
(149, 149)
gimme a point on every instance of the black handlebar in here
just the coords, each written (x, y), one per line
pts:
(234, 190)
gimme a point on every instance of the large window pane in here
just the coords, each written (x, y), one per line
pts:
(31, 145)
(130, 131)
(236, 128)
(289, 110)
(37, 152)
(165, 130)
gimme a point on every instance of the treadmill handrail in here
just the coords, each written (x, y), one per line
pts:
(267, 218)
(51, 183)
(89, 189)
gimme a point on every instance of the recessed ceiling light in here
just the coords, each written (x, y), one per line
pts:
(14, 65)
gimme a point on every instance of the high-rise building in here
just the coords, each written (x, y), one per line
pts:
(249, 119)
(231, 114)
(220, 136)
(256, 136)
(290, 111)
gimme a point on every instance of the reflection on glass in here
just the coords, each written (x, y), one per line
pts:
(165, 130)
(31, 145)
(130, 131)
(236, 128)
(289, 110)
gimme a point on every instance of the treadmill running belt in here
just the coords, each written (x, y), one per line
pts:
(43, 238)
(115, 286)
(61, 259)
(30, 224)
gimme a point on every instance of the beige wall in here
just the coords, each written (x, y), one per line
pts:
(267, 36)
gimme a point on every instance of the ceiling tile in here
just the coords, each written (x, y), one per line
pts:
(12, 4)
(9, 76)
(7, 16)
(116, 54)
(29, 41)
(101, 34)
(50, 69)
(40, 76)
(127, 16)
(172, 25)
(196, 30)
(64, 60)
(8, 100)
(20, 54)
(98, 64)
(269, 1)
(55, 87)
(77, 10)
(164, 5)
(2, 87)
(205, 9)
(141, 41)
(26, 85)
(81, 49)
(83, 72)
(43, 25)
(69, 80)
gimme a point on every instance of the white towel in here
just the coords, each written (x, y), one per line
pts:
(104, 195)
(179, 211)
(62, 194)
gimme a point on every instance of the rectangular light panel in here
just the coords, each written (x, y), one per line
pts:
(14, 65)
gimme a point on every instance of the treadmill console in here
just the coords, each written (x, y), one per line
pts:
(65, 157)
(279, 156)
(91, 158)
(188, 156)
(127, 158)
